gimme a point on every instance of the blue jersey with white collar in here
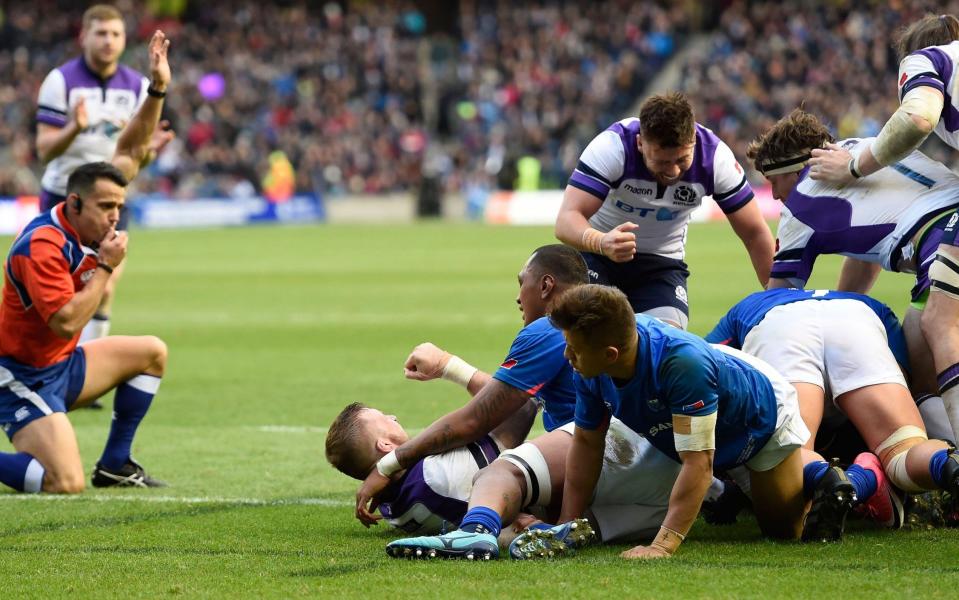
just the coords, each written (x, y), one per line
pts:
(749, 312)
(678, 373)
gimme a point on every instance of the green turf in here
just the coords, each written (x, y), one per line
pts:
(271, 331)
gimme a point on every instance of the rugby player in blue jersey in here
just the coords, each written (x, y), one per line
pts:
(629, 200)
(852, 346)
(533, 368)
(703, 406)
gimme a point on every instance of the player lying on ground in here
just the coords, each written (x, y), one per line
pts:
(55, 273)
(929, 65)
(534, 368)
(893, 220)
(431, 495)
(629, 200)
(843, 342)
(701, 405)
(437, 492)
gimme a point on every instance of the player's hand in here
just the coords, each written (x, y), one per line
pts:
(524, 520)
(619, 244)
(162, 136)
(426, 362)
(113, 248)
(645, 552)
(831, 165)
(366, 501)
(159, 67)
(80, 114)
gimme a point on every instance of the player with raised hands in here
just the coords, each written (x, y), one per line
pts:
(56, 273)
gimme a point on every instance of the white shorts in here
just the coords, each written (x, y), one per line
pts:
(632, 494)
(838, 345)
(791, 432)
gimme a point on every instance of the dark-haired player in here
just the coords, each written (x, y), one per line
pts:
(629, 201)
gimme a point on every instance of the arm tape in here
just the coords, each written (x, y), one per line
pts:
(458, 371)
(389, 464)
(901, 135)
(593, 240)
(694, 434)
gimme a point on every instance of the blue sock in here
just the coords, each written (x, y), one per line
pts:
(936, 463)
(21, 471)
(484, 517)
(863, 480)
(812, 473)
(130, 404)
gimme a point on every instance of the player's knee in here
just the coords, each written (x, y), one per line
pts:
(892, 454)
(157, 353)
(66, 482)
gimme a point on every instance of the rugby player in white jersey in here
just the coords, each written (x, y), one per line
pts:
(929, 57)
(629, 201)
(82, 106)
(893, 220)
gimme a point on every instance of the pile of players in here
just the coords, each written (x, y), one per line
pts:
(641, 416)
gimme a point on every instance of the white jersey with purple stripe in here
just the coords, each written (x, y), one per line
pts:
(110, 104)
(935, 67)
(432, 496)
(612, 169)
(872, 219)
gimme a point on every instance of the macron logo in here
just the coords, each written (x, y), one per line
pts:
(22, 413)
(509, 363)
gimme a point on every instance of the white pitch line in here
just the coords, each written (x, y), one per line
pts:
(178, 500)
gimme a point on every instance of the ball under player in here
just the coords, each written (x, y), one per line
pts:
(82, 107)
(55, 275)
(928, 71)
(629, 200)
(852, 346)
(701, 405)
(534, 368)
(893, 220)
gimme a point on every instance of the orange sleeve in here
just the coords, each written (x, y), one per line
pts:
(46, 275)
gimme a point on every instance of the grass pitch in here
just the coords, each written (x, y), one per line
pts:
(271, 332)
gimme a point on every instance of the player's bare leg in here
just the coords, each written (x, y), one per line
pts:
(811, 406)
(940, 324)
(922, 383)
(778, 497)
(113, 360)
(890, 424)
(53, 443)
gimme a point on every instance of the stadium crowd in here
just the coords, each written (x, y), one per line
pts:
(388, 92)
(359, 111)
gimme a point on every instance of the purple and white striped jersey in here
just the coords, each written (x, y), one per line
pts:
(433, 495)
(110, 104)
(935, 67)
(612, 169)
(872, 219)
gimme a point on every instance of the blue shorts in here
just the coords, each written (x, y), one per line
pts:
(28, 393)
(48, 200)
(649, 280)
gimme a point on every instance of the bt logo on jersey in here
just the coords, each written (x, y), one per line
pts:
(660, 214)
